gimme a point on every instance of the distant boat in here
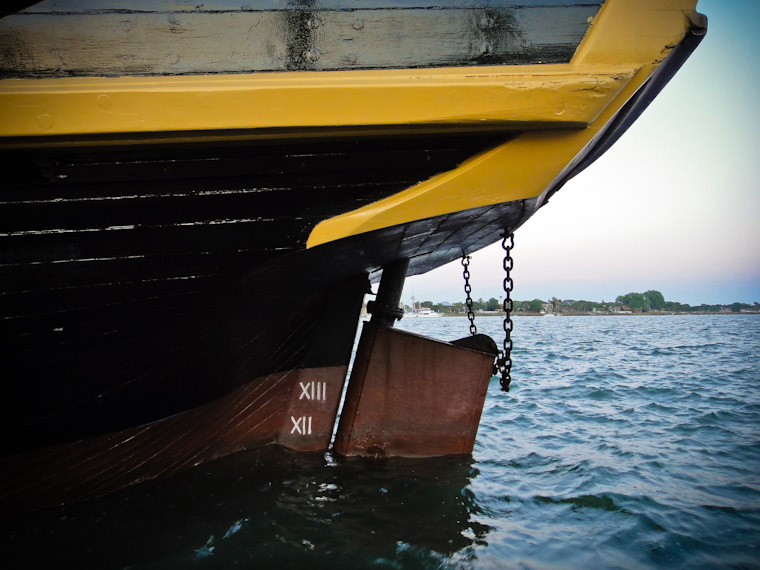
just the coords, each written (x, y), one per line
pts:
(422, 314)
(418, 311)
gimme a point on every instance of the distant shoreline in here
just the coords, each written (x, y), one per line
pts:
(649, 302)
(601, 314)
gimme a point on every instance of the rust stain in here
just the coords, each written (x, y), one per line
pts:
(412, 396)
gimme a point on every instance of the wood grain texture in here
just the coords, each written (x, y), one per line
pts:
(256, 414)
(102, 39)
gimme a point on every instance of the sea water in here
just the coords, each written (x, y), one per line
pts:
(625, 442)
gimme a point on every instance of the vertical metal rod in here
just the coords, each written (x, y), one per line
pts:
(384, 309)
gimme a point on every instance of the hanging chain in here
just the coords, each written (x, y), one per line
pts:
(503, 364)
(468, 290)
(504, 361)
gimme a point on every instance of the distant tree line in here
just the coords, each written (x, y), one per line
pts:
(649, 301)
(644, 302)
(654, 301)
(491, 305)
(733, 307)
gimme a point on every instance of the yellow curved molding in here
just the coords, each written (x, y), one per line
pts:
(522, 168)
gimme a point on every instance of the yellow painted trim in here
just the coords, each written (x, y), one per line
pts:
(553, 95)
(630, 31)
(625, 35)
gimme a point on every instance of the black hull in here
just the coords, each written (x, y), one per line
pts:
(139, 284)
(144, 289)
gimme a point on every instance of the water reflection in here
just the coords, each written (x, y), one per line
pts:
(268, 508)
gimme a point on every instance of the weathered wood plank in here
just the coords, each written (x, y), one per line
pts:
(45, 302)
(54, 39)
(279, 5)
(90, 272)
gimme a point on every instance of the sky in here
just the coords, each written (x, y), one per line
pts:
(674, 205)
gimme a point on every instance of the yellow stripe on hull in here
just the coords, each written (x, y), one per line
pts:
(303, 100)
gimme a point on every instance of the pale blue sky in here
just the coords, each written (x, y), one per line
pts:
(673, 206)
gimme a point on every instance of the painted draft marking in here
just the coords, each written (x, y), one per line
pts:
(313, 390)
(301, 425)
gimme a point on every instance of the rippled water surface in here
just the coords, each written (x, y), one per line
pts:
(626, 442)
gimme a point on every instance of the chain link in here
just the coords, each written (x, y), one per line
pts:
(504, 361)
(503, 364)
(468, 290)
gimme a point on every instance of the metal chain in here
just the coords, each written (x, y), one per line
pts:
(468, 290)
(504, 361)
(503, 364)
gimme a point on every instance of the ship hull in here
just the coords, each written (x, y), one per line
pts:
(123, 362)
(264, 411)
(184, 251)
